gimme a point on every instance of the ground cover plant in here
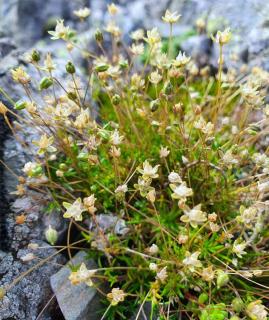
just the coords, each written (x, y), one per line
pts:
(175, 157)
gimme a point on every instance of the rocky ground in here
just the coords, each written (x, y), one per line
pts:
(24, 24)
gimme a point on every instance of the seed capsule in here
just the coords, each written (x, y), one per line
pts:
(45, 83)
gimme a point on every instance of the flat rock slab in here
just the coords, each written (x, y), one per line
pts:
(77, 302)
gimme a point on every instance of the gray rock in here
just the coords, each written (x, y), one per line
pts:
(27, 21)
(27, 298)
(77, 302)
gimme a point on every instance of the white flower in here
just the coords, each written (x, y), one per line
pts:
(74, 210)
(116, 295)
(82, 13)
(121, 189)
(137, 34)
(115, 138)
(30, 168)
(149, 172)
(83, 275)
(171, 17)
(153, 249)
(194, 216)
(162, 275)
(205, 127)
(208, 274)
(239, 247)
(256, 311)
(191, 260)
(151, 196)
(155, 77)
(248, 216)
(44, 144)
(181, 59)
(174, 177)
(89, 203)
(153, 37)
(229, 159)
(112, 9)
(61, 32)
(181, 191)
(137, 49)
(164, 152)
(182, 238)
(223, 37)
(153, 266)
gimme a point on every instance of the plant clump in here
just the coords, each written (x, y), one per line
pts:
(176, 157)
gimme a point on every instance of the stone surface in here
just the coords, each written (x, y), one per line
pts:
(79, 302)
(27, 298)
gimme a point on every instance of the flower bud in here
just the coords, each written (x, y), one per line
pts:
(101, 67)
(99, 36)
(51, 235)
(168, 88)
(237, 305)
(20, 105)
(63, 166)
(154, 105)
(116, 99)
(203, 298)
(45, 83)
(35, 55)
(222, 279)
(37, 171)
(72, 96)
(70, 68)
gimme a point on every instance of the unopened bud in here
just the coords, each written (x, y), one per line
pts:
(154, 105)
(20, 105)
(203, 298)
(99, 36)
(70, 68)
(222, 279)
(101, 67)
(35, 55)
(51, 235)
(116, 99)
(237, 305)
(45, 83)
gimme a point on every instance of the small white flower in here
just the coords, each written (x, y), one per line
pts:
(74, 210)
(61, 31)
(82, 13)
(149, 172)
(208, 274)
(115, 138)
(153, 37)
(153, 249)
(89, 203)
(174, 177)
(116, 295)
(164, 152)
(151, 196)
(137, 34)
(239, 247)
(223, 37)
(121, 189)
(153, 266)
(155, 77)
(256, 311)
(137, 49)
(181, 59)
(162, 275)
(181, 191)
(83, 275)
(191, 260)
(194, 216)
(171, 17)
